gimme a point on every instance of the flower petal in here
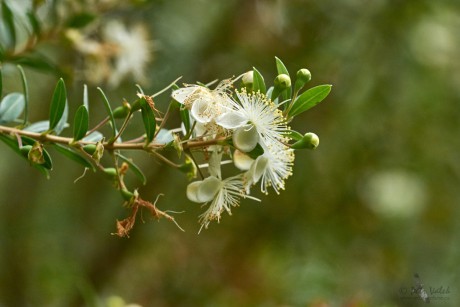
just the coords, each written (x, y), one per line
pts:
(231, 120)
(192, 190)
(208, 189)
(246, 138)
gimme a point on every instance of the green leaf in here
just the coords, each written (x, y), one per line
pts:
(185, 118)
(8, 18)
(309, 99)
(1, 82)
(38, 127)
(11, 107)
(72, 155)
(13, 144)
(281, 69)
(259, 83)
(63, 121)
(58, 103)
(26, 94)
(136, 170)
(33, 20)
(94, 136)
(292, 134)
(36, 60)
(148, 117)
(109, 111)
(80, 20)
(81, 123)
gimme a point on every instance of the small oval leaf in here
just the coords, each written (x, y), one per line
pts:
(136, 170)
(11, 107)
(109, 111)
(58, 103)
(81, 123)
(259, 83)
(148, 117)
(309, 99)
(38, 127)
(72, 155)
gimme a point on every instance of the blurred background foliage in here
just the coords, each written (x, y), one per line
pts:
(375, 203)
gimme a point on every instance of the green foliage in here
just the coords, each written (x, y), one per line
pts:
(148, 118)
(259, 83)
(81, 123)
(108, 108)
(11, 107)
(309, 99)
(58, 104)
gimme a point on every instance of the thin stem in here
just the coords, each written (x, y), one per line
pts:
(102, 123)
(123, 127)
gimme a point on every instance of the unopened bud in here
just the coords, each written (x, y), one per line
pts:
(121, 111)
(303, 76)
(282, 81)
(90, 148)
(110, 171)
(127, 195)
(35, 154)
(309, 141)
(25, 150)
(248, 78)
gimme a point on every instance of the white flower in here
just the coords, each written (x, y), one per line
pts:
(271, 168)
(222, 195)
(254, 111)
(205, 104)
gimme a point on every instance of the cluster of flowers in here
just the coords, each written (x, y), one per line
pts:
(257, 133)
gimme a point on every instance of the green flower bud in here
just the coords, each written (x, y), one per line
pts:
(282, 81)
(110, 171)
(303, 76)
(35, 154)
(121, 111)
(189, 168)
(309, 141)
(90, 148)
(127, 195)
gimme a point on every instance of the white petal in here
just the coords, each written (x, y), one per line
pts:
(231, 120)
(192, 190)
(200, 111)
(208, 189)
(246, 138)
(258, 168)
(182, 94)
(242, 161)
(214, 164)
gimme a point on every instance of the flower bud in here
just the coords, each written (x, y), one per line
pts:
(282, 81)
(110, 171)
(35, 154)
(189, 168)
(90, 148)
(121, 111)
(242, 161)
(309, 141)
(245, 138)
(248, 78)
(127, 195)
(303, 76)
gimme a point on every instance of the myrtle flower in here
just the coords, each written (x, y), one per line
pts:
(205, 104)
(254, 119)
(272, 168)
(222, 195)
(118, 53)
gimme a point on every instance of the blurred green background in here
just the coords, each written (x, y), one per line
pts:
(376, 202)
